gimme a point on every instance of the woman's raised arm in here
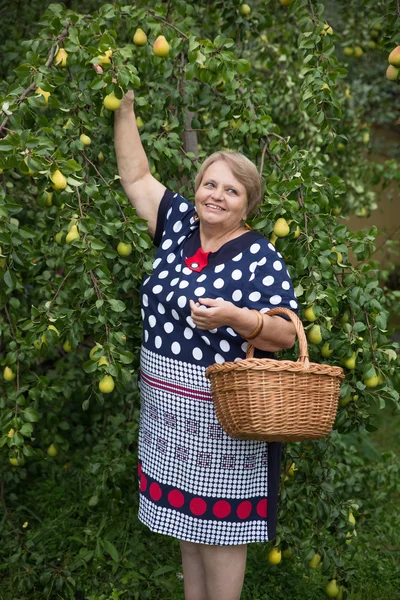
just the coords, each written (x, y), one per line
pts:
(142, 189)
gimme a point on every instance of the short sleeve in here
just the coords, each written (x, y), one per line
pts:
(174, 218)
(269, 285)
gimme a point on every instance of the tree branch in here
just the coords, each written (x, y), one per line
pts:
(312, 12)
(168, 24)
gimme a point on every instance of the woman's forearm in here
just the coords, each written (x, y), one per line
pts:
(276, 334)
(131, 157)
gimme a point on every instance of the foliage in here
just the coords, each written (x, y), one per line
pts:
(271, 85)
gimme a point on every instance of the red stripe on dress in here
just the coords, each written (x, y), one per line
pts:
(175, 389)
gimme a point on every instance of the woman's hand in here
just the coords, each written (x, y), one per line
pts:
(127, 100)
(209, 313)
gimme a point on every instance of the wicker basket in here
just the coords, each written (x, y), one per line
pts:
(276, 400)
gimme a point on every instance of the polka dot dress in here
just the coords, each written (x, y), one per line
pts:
(196, 483)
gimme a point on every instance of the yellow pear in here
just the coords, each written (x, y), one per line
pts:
(314, 335)
(371, 382)
(281, 227)
(44, 94)
(61, 58)
(103, 362)
(108, 52)
(348, 51)
(100, 157)
(111, 102)
(53, 328)
(105, 60)
(29, 170)
(73, 234)
(350, 362)
(58, 179)
(11, 432)
(339, 256)
(106, 385)
(310, 314)
(286, 2)
(124, 249)
(327, 30)
(274, 556)
(49, 199)
(8, 374)
(273, 238)
(59, 237)
(17, 461)
(352, 519)
(326, 350)
(93, 351)
(332, 589)
(358, 51)
(392, 73)
(245, 10)
(315, 561)
(139, 122)
(161, 47)
(344, 401)
(394, 57)
(67, 346)
(52, 450)
(85, 139)
(140, 38)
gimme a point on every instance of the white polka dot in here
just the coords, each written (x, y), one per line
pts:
(254, 248)
(197, 353)
(167, 244)
(237, 295)
(237, 257)
(187, 271)
(286, 285)
(177, 227)
(163, 274)
(293, 304)
(279, 254)
(264, 310)
(244, 346)
(190, 321)
(152, 321)
(170, 257)
(213, 330)
(156, 263)
(178, 268)
(168, 327)
(253, 266)
(269, 280)
(145, 300)
(157, 289)
(275, 299)
(231, 332)
(183, 207)
(219, 283)
(146, 280)
(176, 347)
(169, 213)
(169, 297)
(182, 301)
(224, 345)
(175, 281)
(188, 333)
(146, 335)
(252, 277)
(219, 359)
(199, 291)
(262, 261)
(175, 314)
(219, 268)
(183, 284)
(254, 296)
(236, 274)
(201, 278)
(183, 237)
(238, 358)
(142, 313)
(206, 340)
(157, 341)
(277, 265)
(271, 247)
(161, 309)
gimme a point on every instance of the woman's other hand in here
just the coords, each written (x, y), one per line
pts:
(210, 313)
(127, 100)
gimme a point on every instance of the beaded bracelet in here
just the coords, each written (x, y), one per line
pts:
(260, 325)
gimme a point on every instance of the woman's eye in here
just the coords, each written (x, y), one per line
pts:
(209, 183)
(232, 190)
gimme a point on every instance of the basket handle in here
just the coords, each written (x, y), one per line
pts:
(303, 354)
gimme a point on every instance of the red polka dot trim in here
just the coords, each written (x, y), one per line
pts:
(143, 482)
(262, 508)
(244, 509)
(155, 492)
(198, 506)
(221, 509)
(139, 469)
(176, 498)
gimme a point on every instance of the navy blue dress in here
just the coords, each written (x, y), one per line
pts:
(196, 483)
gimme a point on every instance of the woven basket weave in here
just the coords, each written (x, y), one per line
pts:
(276, 400)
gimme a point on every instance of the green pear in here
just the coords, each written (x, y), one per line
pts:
(140, 38)
(73, 234)
(314, 335)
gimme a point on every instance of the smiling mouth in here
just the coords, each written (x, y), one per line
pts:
(214, 207)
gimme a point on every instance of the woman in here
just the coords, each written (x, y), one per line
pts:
(213, 493)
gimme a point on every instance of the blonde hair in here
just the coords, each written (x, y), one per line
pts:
(244, 171)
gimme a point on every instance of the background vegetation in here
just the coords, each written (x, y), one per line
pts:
(298, 98)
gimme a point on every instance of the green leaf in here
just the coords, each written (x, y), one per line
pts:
(110, 549)
(117, 305)
(31, 415)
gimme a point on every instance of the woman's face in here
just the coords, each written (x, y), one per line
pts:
(221, 199)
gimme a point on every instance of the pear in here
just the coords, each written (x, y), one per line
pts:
(245, 10)
(105, 60)
(394, 57)
(85, 139)
(49, 199)
(52, 450)
(315, 561)
(161, 47)
(8, 374)
(352, 519)
(58, 179)
(310, 314)
(44, 94)
(371, 382)
(100, 157)
(106, 385)
(358, 51)
(139, 122)
(392, 73)
(348, 51)
(59, 237)
(103, 362)
(281, 227)
(111, 102)
(67, 346)
(124, 249)
(286, 2)
(61, 58)
(350, 362)
(314, 335)
(326, 350)
(332, 590)
(140, 38)
(344, 401)
(72, 235)
(274, 556)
